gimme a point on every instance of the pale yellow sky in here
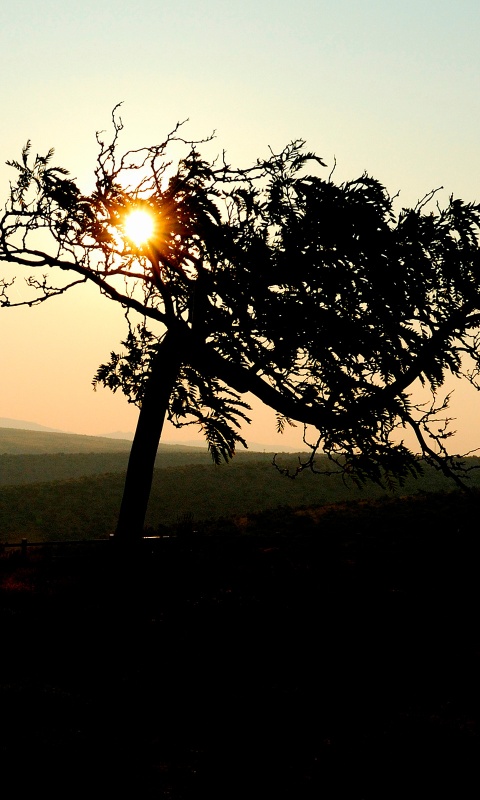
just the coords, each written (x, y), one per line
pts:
(387, 88)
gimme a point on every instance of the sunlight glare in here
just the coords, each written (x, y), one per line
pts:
(139, 226)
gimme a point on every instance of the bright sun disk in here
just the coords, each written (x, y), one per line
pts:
(139, 227)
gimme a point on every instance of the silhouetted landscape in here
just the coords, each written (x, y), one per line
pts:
(56, 493)
(277, 652)
(228, 222)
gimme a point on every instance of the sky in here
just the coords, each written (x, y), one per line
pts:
(385, 87)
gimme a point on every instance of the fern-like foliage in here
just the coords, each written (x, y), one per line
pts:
(196, 399)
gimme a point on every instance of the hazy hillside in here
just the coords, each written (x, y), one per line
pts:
(26, 425)
(67, 486)
(88, 507)
(16, 469)
(15, 441)
(32, 456)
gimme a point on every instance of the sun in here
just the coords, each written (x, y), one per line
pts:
(139, 227)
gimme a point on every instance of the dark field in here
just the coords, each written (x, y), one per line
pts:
(329, 653)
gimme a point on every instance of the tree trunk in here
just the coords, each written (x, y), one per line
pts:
(138, 481)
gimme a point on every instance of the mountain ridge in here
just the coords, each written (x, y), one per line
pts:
(124, 437)
(27, 441)
(26, 425)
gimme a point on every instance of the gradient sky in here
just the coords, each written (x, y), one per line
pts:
(385, 87)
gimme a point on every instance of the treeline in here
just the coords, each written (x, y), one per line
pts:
(87, 507)
(45, 467)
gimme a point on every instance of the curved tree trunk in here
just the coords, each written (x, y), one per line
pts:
(138, 481)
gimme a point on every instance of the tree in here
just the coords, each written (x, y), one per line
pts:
(315, 297)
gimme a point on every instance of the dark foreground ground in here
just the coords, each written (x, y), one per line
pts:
(328, 656)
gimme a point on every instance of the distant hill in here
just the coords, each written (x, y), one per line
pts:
(24, 441)
(253, 447)
(123, 436)
(14, 440)
(184, 495)
(37, 457)
(24, 425)
(127, 435)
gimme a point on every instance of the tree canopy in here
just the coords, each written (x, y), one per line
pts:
(316, 297)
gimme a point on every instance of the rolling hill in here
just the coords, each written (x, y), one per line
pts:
(17, 441)
(67, 486)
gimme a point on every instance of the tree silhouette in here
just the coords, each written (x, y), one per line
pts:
(314, 297)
